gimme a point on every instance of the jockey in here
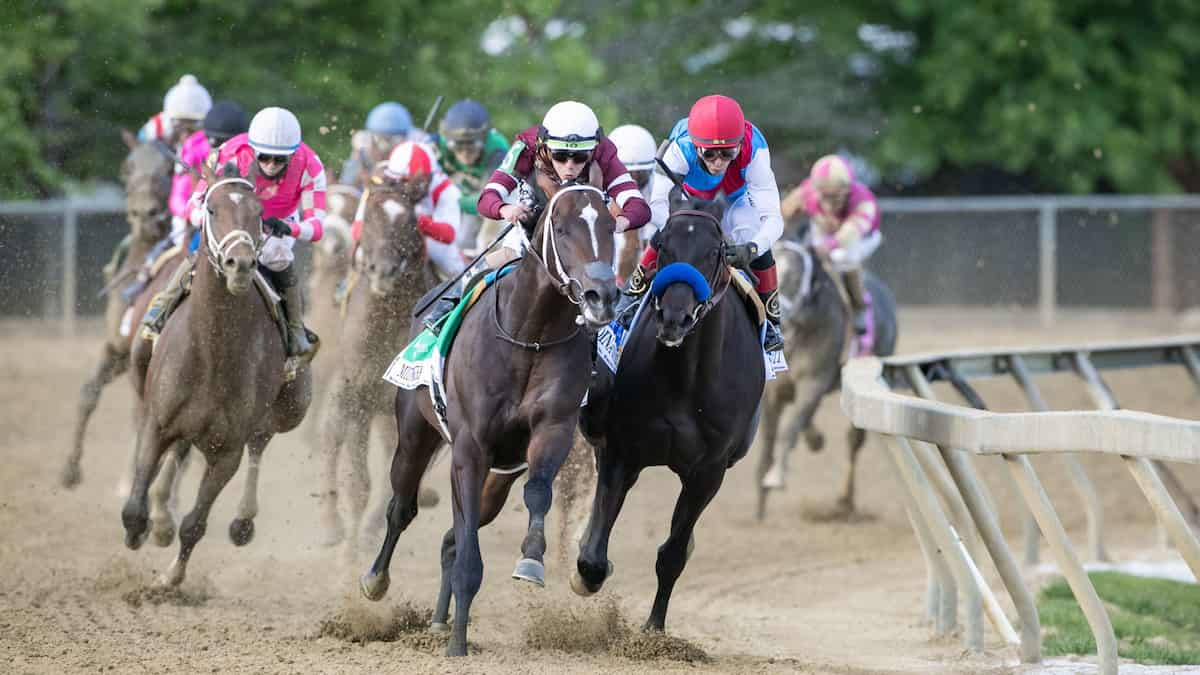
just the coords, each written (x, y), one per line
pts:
(636, 149)
(845, 224)
(290, 182)
(387, 125)
(184, 106)
(565, 147)
(469, 151)
(438, 212)
(714, 149)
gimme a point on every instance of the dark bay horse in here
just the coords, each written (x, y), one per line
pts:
(685, 396)
(514, 383)
(146, 174)
(817, 325)
(215, 379)
(392, 276)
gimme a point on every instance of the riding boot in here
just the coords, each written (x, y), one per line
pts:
(858, 299)
(166, 300)
(290, 291)
(766, 284)
(773, 340)
(118, 258)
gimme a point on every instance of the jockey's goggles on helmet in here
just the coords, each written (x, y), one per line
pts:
(577, 156)
(464, 143)
(724, 153)
(642, 178)
(272, 159)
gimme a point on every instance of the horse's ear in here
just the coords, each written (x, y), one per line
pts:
(230, 169)
(130, 140)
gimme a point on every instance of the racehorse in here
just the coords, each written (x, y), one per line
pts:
(685, 395)
(817, 324)
(392, 276)
(215, 378)
(514, 382)
(146, 174)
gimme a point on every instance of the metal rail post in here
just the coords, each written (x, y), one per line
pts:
(70, 246)
(1047, 262)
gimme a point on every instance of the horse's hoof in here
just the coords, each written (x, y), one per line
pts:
(439, 628)
(135, 541)
(773, 478)
(164, 535)
(241, 531)
(580, 586)
(428, 498)
(815, 441)
(71, 476)
(174, 574)
(136, 526)
(374, 586)
(456, 648)
(530, 570)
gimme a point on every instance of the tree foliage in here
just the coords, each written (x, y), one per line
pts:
(1078, 95)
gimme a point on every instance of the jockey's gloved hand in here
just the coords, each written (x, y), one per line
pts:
(277, 227)
(740, 255)
(847, 235)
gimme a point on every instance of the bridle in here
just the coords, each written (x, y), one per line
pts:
(218, 250)
(719, 280)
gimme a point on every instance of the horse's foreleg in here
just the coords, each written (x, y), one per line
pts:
(466, 479)
(855, 438)
(415, 448)
(135, 514)
(495, 493)
(162, 520)
(698, 490)
(222, 464)
(112, 364)
(549, 447)
(614, 478)
(241, 530)
(768, 434)
(808, 398)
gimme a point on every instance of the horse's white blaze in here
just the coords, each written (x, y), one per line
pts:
(235, 197)
(589, 215)
(393, 209)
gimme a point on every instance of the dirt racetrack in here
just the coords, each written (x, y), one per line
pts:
(784, 596)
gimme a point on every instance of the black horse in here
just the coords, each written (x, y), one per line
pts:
(514, 381)
(685, 395)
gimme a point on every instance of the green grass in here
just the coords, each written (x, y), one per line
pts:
(1156, 621)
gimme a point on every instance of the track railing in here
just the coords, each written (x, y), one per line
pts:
(933, 445)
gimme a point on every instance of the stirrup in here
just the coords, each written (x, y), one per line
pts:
(773, 338)
(441, 308)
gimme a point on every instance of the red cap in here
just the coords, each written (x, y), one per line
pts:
(716, 122)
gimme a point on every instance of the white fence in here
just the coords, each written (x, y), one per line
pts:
(932, 445)
(969, 250)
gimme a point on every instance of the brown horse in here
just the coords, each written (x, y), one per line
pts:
(146, 174)
(215, 379)
(392, 276)
(514, 382)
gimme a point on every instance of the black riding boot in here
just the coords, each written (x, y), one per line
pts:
(287, 282)
(773, 341)
(858, 299)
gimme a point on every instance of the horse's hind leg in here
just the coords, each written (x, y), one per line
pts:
(112, 364)
(614, 478)
(855, 438)
(135, 514)
(416, 446)
(698, 490)
(768, 434)
(222, 464)
(162, 520)
(495, 493)
(241, 529)
(548, 449)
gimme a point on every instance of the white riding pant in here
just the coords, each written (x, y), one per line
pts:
(852, 257)
(446, 257)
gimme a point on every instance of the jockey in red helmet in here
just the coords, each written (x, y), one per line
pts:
(715, 150)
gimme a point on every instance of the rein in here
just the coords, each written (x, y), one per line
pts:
(220, 249)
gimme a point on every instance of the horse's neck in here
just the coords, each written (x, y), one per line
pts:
(533, 309)
(223, 313)
(138, 248)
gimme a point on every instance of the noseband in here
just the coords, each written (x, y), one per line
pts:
(218, 250)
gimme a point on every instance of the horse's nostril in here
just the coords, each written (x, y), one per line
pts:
(591, 297)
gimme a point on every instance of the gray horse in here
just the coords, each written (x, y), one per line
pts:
(816, 322)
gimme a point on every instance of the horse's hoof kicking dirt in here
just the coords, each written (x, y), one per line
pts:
(530, 570)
